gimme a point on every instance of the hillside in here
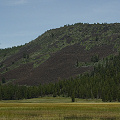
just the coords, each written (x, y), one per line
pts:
(60, 53)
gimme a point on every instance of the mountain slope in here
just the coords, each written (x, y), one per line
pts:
(59, 53)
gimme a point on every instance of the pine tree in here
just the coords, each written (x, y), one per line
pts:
(73, 97)
(3, 80)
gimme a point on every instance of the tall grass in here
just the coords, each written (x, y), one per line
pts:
(59, 111)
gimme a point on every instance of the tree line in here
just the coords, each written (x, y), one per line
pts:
(102, 83)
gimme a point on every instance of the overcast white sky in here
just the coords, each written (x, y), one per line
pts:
(23, 20)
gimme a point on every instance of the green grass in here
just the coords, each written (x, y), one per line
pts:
(59, 108)
(54, 111)
(52, 100)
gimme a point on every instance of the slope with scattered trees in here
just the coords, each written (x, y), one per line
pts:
(102, 83)
(59, 53)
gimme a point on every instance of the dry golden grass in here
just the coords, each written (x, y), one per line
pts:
(59, 111)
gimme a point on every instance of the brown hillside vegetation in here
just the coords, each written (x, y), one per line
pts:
(53, 56)
(59, 66)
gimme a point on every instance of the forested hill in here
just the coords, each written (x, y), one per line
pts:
(102, 83)
(60, 53)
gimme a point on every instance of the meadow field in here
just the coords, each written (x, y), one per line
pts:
(58, 109)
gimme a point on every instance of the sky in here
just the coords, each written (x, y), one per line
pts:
(21, 21)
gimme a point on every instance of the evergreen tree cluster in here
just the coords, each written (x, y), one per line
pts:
(103, 83)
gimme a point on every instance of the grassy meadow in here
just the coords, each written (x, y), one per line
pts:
(48, 108)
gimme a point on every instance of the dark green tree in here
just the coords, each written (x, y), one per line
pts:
(73, 96)
(95, 58)
(3, 80)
